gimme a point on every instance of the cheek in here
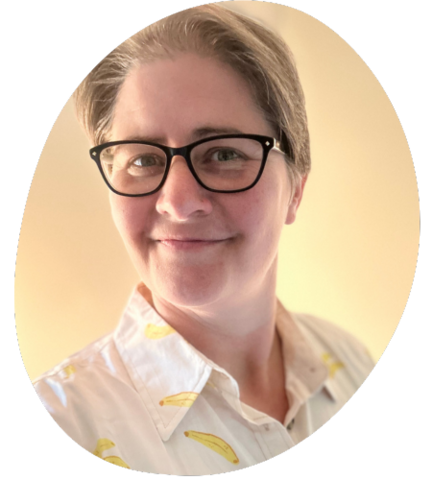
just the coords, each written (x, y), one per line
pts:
(260, 216)
(266, 212)
(130, 215)
(268, 202)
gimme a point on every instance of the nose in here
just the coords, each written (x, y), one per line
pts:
(181, 196)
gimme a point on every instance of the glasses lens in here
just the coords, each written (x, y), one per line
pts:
(228, 163)
(133, 168)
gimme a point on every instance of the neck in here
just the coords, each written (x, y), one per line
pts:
(239, 335)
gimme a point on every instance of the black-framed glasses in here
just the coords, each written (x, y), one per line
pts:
(223, 163)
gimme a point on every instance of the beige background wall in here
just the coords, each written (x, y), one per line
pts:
(350, 257)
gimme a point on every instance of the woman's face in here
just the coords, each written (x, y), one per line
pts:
(190, 246)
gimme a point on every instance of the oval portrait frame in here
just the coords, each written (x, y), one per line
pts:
(43, 224)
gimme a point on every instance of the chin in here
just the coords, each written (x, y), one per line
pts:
(189, 288)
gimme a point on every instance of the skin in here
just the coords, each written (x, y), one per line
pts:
(208, 258)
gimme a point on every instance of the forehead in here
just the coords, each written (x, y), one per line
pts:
(171, 98)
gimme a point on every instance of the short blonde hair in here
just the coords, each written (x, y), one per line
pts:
(259, 55)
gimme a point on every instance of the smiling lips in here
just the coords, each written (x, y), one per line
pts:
(188, 243)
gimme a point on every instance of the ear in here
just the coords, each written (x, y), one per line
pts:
(295, 201)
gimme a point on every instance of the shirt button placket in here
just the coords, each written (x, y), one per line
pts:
(291, 425)
(277, 438)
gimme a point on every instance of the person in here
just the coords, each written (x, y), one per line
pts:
(199, 129)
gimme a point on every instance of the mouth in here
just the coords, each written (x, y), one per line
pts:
(189, 243)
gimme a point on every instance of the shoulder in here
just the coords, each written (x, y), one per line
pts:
(86, 359)
(74, 391)
(327, 333)
(336, 346)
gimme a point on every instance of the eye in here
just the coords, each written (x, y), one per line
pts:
(145, 165)
(146, 161)
(224, 155)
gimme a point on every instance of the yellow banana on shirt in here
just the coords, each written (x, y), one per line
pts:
(183, 399)
(105, 444)
(117, 461)
(102, 445)
(332, 364)
(215, 443)
(155, 332)
(69, 370)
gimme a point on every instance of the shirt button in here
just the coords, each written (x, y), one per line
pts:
(291, 424)
(267, 428)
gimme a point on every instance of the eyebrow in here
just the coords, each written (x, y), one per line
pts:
(197, 134)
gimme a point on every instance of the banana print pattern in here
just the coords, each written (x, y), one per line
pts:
(332, 364)
(183, 399)
(154, 332)
(215, 443)
(102, 445)
(69, 370)
(105, 444)
(117, 461)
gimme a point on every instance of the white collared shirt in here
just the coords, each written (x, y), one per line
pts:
(143, 398)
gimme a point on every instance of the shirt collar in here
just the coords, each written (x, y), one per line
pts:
(165, 370)
(306, 373)
(169, 373)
